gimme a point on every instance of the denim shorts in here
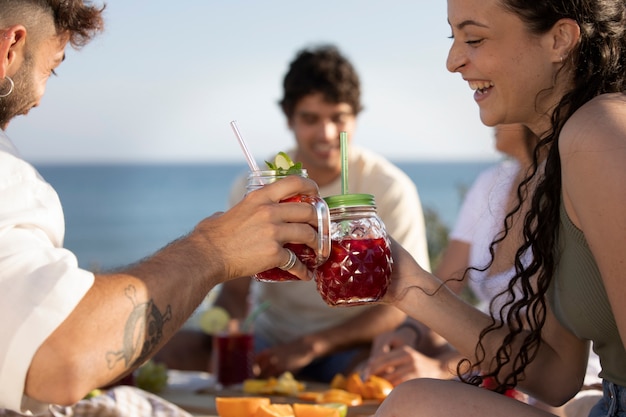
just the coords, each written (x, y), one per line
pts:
(613, 402)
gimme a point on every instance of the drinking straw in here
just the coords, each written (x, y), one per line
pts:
(252, 316)
(343, 137)
(251, 163)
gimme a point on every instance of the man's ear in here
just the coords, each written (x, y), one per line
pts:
(565, 36)
(12, 47)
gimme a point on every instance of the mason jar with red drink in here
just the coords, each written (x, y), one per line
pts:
(312, 258)
(358, 269)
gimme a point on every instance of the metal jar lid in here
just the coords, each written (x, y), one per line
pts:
(350, 200)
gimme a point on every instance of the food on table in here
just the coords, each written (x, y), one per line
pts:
(343, 408)
(338, 381)
(239, 406)
(151, 376)
(94, 393)
(374, 388)
(285, 384)
(263, 407)
(312, 396)
(214, 320)
(314, 410)
(335, 395)
(275, 410)
(355, 384)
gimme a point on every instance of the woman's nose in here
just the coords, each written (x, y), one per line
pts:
(456, 58)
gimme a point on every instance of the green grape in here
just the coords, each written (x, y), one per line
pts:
(152, 377)
(93, 393)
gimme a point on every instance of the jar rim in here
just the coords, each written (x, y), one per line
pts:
(275, 173)
(350, 200)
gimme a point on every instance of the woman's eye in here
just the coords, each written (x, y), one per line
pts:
(474, 42)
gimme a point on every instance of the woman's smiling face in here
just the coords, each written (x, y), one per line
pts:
(505, 64)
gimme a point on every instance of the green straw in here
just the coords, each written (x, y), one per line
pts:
(343, 137)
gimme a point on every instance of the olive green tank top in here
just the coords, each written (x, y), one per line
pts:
(579, 301)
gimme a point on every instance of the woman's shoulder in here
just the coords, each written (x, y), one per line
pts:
(599, 122)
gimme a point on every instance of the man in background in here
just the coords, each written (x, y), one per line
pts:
(299, 332)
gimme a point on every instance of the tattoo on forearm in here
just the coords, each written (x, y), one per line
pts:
(143, 332)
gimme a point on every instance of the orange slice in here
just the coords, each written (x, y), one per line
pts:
(354, 384)
(340, 396)
(377, 388)
(339, 381)
(275, 410)
(314, 410)
(309, 395)
(239, 406)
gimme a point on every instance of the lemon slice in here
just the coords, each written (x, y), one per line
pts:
(283, 161)
(343, 409)
(214, 320)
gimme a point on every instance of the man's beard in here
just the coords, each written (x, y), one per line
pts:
(22, 95)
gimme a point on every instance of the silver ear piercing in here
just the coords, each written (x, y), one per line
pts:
(11, 86)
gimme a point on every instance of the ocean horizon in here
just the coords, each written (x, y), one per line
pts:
(118, 213)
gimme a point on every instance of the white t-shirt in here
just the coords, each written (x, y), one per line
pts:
(479, 220)
(296, 307)
(40, 282)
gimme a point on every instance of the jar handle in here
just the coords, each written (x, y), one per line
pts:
(323, 228)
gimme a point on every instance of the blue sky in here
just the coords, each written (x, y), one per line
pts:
(166, 78)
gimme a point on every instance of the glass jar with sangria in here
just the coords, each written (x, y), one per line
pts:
(358, 270)
(311, 257)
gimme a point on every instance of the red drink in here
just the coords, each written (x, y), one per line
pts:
(358, 271)
(233, 356)
(303, 252)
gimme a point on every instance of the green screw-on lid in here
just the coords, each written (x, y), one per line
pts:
(347, 200)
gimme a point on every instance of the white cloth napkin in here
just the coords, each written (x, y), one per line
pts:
(121, 401)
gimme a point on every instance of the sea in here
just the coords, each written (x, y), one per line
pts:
(117, 214)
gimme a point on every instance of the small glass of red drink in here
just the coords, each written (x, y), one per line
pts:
(358, 270)
(233, 354)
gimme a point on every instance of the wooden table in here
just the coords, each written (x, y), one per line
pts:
(200, 400)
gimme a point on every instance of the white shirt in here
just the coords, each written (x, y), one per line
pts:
(479, 220)
(40, 282)
(296, 307)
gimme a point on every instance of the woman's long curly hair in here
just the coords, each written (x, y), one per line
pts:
(598, 65)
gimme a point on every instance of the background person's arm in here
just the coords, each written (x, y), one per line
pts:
(358, 331)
